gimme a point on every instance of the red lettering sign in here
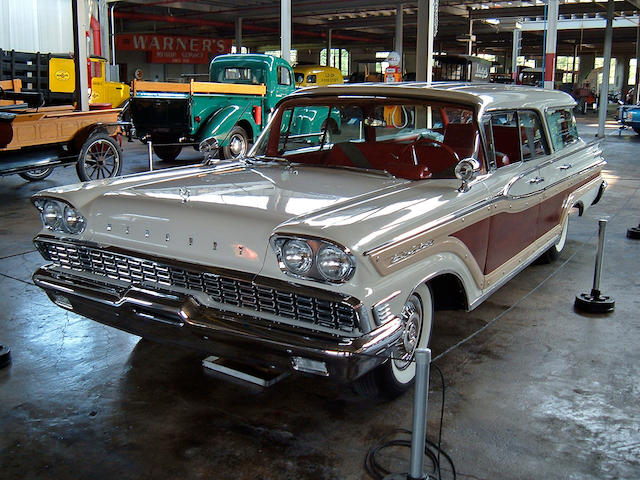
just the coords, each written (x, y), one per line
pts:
(174, 49)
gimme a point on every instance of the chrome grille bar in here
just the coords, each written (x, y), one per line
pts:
(229, 291)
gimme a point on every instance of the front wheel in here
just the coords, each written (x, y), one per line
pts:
(396, 376)
(100, 157)
(238, 144)
(36, 174)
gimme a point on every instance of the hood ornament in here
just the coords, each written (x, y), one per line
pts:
(184, 194)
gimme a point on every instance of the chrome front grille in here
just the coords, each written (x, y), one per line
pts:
(225, 290)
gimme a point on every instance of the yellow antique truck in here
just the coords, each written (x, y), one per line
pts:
(54, 77)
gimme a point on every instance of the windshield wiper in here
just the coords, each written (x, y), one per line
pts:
(358, 169)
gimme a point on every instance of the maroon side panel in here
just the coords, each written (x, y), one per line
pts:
(550, 211)
(509, 234)
(475, 237)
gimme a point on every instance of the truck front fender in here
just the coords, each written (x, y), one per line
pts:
(222, 121)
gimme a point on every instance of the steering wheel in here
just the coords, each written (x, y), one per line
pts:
(427, 140)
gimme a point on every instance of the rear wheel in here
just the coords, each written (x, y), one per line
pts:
(36, 174)
(167, 153)
(554, 251)
(238, 144)
(100, 157)
(396, 376)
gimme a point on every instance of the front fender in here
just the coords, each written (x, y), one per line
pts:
(223, 120)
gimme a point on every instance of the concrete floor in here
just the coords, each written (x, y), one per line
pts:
(542, 392)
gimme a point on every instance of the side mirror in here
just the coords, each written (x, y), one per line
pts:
(209, 148)
(466, 170)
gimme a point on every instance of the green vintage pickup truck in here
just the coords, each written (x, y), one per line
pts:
(232, 107)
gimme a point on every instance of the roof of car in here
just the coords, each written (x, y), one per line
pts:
(485, 96)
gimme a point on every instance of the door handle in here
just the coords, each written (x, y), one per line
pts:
(566, 166)
(535, 181)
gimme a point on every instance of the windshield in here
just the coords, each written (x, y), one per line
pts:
(407, 139)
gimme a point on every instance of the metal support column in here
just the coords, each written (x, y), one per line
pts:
(424, 41)
(604, 88)
(550, 44)
(573, 65)
(636, 91)
(398, 43)
(515, 52)
(470, 43)
(103, 18)
(239, 35)
(79, 10)
(329, 61)
(285, 29)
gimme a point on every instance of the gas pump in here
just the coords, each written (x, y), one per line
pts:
(393, 73)
(393, 115)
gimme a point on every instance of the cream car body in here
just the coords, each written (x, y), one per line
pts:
(432, 239)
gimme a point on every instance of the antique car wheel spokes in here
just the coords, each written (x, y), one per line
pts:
(101, 160)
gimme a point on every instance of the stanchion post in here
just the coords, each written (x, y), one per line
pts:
(420, 403)
(150, 150)
(595, 302)
(634, 232)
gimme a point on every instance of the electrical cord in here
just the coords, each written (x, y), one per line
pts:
(432, 450)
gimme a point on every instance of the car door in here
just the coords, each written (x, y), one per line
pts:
(569, 156)
(515, 184)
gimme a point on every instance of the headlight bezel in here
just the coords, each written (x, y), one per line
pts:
(62, 225)
(316, 245)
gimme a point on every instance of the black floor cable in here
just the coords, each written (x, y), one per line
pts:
(432, 450)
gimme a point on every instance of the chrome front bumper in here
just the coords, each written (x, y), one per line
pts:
(180, 319)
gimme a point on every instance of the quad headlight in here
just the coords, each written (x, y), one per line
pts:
(313, 259)
(60, 216)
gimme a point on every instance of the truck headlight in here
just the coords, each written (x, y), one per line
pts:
(313, 258)
(60, 216)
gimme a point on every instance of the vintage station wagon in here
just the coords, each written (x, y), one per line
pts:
(327, 252)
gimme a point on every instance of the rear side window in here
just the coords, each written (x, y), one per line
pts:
(532, 139)
(562, 127)
(283, 76)
(244, 75)
(311, 79)
(506, 139)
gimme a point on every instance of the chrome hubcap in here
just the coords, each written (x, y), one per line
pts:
(410, 335)
(237, 145)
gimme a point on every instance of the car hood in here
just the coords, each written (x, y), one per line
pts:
(224, 215)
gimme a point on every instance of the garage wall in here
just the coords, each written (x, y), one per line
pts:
(36, 26)
(130, 61)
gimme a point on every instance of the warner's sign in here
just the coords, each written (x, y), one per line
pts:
(174, 49)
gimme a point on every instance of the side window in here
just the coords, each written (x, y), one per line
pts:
(532, 140)
(562, 126)
(506, 139)
(283, 76)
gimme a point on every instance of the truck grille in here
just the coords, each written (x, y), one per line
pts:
(230, 291)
